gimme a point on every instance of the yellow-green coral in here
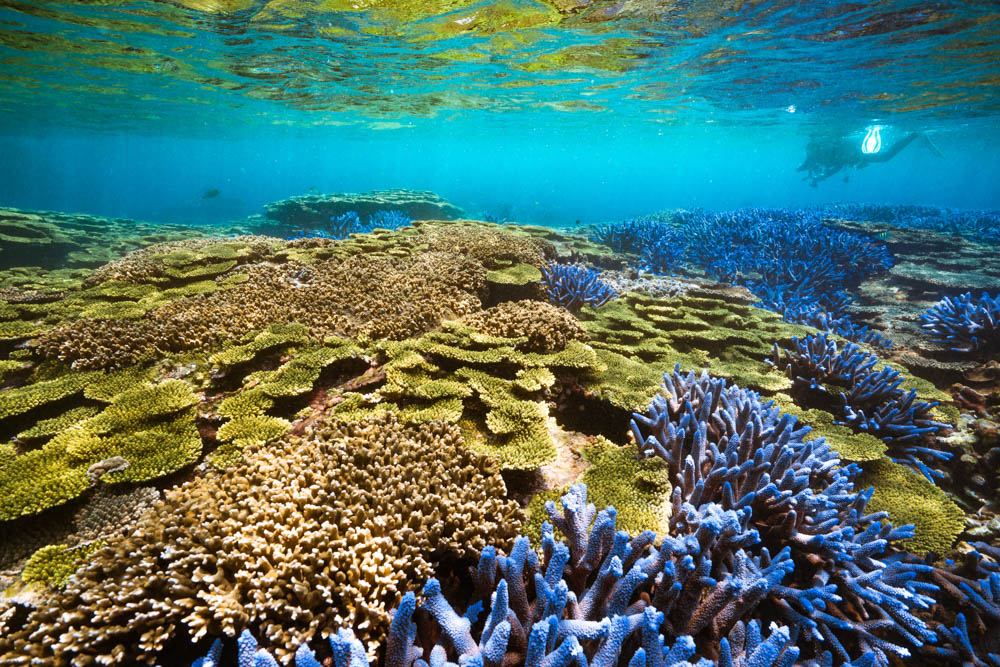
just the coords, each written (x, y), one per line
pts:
(638, 488)
(10, 366)
(910, 499)
(47, 428)
(519, 274)
(105, 386)
(143, 403)
(298, 375)
(248, 402)
(151, 427)
(270, 339)
(484, 382)
(54, 564)
(15, 329)
(242, 432)
(849, 445)
(22, 399)
(731, 340)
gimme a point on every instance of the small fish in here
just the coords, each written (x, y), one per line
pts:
(882, 236)
(211, 193)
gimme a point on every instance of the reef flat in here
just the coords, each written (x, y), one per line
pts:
(459, 442)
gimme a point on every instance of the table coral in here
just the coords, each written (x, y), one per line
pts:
(150, 427)
(486, 382)
(357, 511)
(375, 297)
(639, 337)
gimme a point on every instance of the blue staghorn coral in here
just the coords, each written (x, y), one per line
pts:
(573, 286)
(972, 587)
(965, 323)
(866, 399)
(793, 263)
(347, 651)
(393, 219)
(604, 599)
(844, 595)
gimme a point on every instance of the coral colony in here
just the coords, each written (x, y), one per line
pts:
(864, 397)
(966, 324)
(573, 286)
(449, 443)
(793, 263)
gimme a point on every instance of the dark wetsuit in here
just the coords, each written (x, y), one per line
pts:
(825, 157)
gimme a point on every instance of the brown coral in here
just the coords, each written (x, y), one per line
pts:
(359, 296)
(492, 246)
(154, 262)
(304, 536)
(547, 328)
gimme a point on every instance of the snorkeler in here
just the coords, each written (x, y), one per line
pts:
(825, 155)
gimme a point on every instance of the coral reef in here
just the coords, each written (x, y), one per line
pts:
(296, 215)
(840, 588)
(966, 324)
(482, 382)
(981, 226)
(606, 599)
(145, 432)
(54, 564)
(52, 243)
(659, 287)
(639, 337)
(358, 296)
(357, 511)
(793, 263)
(967, 619)
(574, 286)
(864, 397)
(494, 247)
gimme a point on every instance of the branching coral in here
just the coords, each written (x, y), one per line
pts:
(841, 594)
(573, 286)
(604, 599)
(865, 398)
(965, 323)
(361, 296)
(968, 618)
(794, 264)
(332, 525)
(979, 225)
(494, 247)
(547, 328)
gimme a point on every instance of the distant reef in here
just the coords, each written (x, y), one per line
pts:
(296, 215)
(52, 240)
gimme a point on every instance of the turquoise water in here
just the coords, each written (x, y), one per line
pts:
(556, 112)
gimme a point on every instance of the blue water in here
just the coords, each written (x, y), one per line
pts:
(601, 112)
